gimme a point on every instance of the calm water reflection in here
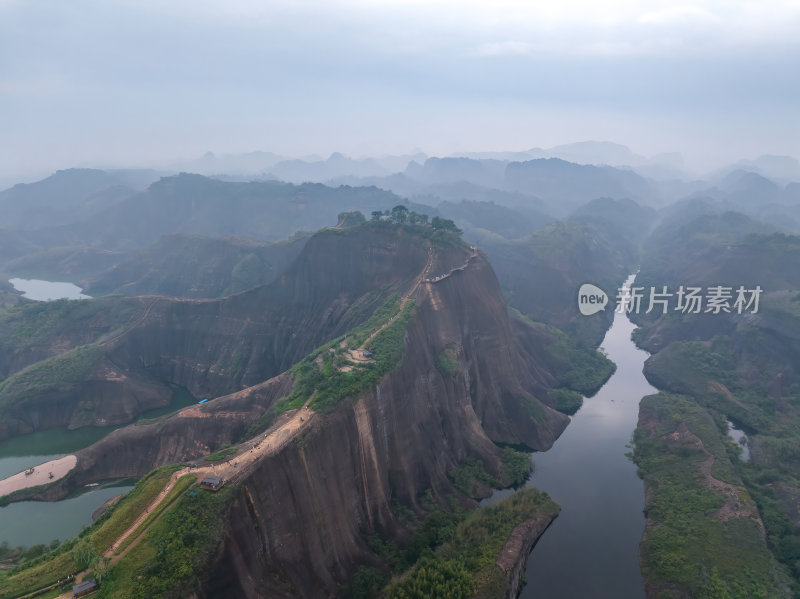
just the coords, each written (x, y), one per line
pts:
(30, 523)
(591, 549)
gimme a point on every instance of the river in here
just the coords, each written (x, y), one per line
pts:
(591, 549)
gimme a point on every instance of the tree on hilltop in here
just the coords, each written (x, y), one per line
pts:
(350, 219)
(399, 214)
(445, 224)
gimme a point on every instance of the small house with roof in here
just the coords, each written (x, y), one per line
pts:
(84, 588)
(212, 483)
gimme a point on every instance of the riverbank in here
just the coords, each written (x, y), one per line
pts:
(513, 557)
(591, 549)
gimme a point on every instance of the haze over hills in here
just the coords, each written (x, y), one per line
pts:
(780, 168)
(382, 367)
(345, 297)
(69, 196)
(176, 265)
(493, 200)
(299, 170)
(193, 204)
(418, 174)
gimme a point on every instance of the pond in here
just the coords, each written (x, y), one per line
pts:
(28, 523)
(44, 291)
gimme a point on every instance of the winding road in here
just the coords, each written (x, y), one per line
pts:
(248, 454)
(135, 324)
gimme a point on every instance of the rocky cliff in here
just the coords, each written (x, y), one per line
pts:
(143, 346)
(514, 555)
(299, 524)
(300, 520)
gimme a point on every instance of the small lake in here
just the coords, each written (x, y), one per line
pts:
(44, 291)
(41, 446)
(28, 523)
(50, 442)
(591, 550)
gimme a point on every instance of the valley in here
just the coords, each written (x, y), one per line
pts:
(360, 391)
(592, 548)
(399, 300)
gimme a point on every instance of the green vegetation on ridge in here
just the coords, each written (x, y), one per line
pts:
(471, 474)
(688, 544)
(463, 565)
(171, 555)
(741, 368)
(56, 374)
(580, 370)
(122, 514)
(321, 371)
(84, 551)
(741, 385)
(31, 323)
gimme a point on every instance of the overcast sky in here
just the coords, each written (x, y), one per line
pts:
(140, 81)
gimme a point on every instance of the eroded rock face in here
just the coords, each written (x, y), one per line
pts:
(299, 524)
(211, 347)
(514, 554)
(464, 314)
(196, 431)
(214, 347)
(300, 521)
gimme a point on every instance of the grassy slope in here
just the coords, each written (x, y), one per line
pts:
(166, 562)
(162, 564)
(178, 571)
(53, 374)
(33, 323)
(84, 550)
(580, 370)
(319, 370)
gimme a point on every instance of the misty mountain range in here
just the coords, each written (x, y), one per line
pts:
(146, 231)
(538, 185)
